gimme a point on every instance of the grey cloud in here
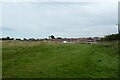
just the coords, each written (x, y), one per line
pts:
(65, 19)
(7, 29)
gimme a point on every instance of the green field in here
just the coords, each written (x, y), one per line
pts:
(30, 59)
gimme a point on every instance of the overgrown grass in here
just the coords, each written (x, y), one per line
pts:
(22, 59)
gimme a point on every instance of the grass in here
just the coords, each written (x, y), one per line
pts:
(0, 59)
(22, 59)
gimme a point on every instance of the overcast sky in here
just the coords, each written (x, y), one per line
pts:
(61, 19)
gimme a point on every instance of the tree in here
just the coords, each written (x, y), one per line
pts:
(24, 39)
(8, 38)
(18, 39)
(111, 37)
(52, 37)
(31, 39)
(11, 38)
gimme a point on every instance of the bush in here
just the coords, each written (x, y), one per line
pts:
(111, 37)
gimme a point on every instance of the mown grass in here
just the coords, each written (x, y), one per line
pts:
(22, 59)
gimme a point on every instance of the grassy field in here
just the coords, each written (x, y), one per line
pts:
(0, 59)
(22, 59)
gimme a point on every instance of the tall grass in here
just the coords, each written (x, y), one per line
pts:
(24, 59)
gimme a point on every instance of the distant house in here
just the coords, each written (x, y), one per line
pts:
(90, 40)
(75, 40)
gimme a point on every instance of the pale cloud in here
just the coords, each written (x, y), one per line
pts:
(1, 17)
(65, 19)
(59, 0)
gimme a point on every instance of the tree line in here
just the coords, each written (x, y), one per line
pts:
(111, 37)
(30, 39)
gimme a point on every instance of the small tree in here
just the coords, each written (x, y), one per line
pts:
(52, 37)
(8, 38)
(24, 39)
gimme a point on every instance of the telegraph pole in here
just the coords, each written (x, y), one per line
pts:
(118, 25)
(118, 28)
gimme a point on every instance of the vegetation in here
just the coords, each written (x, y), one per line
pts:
(0, 59)
(7, 38)
(111, 37)
(35, 59)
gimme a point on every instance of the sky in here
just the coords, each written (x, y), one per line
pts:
(61, 19)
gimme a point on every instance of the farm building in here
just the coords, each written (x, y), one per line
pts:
(76, 40)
